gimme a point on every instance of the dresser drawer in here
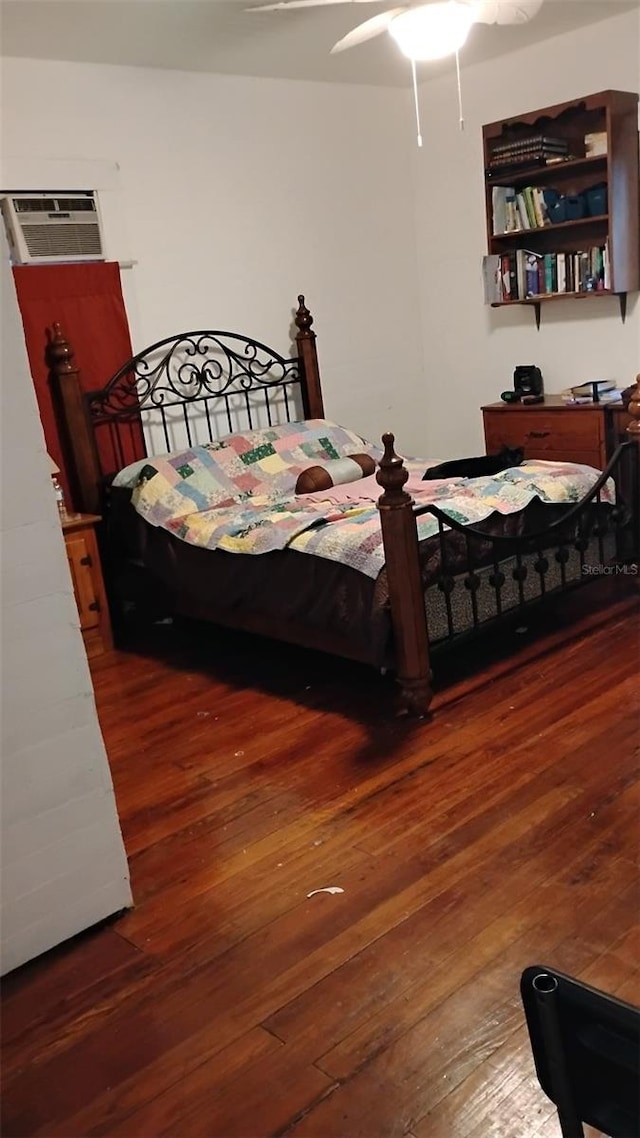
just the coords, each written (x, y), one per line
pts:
(584, 457)
(81, 568)
(558, 435)
(83, 556)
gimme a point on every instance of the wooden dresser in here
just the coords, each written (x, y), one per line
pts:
(88, 585)
(587, 433)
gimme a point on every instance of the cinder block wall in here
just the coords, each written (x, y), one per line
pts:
(63, 860)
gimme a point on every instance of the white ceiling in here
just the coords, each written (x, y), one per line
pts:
(221, 36)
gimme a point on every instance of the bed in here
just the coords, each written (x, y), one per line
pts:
(420, 571)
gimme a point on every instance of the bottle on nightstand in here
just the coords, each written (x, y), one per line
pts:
(59, 493)
(54, 471)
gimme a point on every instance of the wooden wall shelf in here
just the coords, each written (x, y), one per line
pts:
(516, 233)
(556, 170)
(580, 251)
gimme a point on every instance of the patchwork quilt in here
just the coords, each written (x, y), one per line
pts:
(238, 494)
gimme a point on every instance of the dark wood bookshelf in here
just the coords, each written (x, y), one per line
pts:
(610, 113)
(551, 228)
(537, 297)
(547, 172)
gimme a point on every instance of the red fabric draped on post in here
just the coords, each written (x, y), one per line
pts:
(86, 300)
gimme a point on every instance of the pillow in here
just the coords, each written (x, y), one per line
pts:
(128, 477)
(335, 473)
(268, 458)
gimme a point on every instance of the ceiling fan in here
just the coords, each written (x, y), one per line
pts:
(423, 31)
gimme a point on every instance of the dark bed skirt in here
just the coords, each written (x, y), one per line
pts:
(308, 600)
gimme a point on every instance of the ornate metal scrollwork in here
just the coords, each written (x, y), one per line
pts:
(188, 368)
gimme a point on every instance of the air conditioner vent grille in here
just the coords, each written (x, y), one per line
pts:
(57, 240)
(77, 204)
(34, 205)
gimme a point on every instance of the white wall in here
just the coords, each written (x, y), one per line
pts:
(276, 187)
(238, 194)
(63, 861)
(470, 351)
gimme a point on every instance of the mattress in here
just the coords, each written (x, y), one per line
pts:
(314, 593)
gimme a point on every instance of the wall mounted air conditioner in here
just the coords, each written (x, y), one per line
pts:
(48, 228)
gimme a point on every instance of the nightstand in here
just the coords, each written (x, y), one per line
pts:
(587, 433)
(88, 585)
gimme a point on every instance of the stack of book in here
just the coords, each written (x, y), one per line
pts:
(593, 391)
(525, 275)
(537, 149)
(595, 144)
(515, 210)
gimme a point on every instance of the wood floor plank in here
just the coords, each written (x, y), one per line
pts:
(486, 776)
(506, 1103)
(185, 1100)
(414, 1072)
(410, 874)
(240, 905)
(455, 919)
(228, 1004)
(503, 1097)
(553, 930)
(273, 1086)
(188, 1007)
(64, 976)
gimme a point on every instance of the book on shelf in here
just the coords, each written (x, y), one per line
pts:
(595, 144)
(503, 169)
(491, 278)
(525, 148)
(527, 141)
(523, 274)
(531, 271)
(517, 210)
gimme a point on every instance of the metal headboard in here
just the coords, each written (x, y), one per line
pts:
(184, 390)
(196, 386)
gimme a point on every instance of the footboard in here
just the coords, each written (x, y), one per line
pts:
(500, 575)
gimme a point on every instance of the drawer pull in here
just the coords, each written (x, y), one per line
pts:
(86, 560)
(538, 434)
(94, 606)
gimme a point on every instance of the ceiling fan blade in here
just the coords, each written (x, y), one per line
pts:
(373, 27)
(505, 11)
(284, 5)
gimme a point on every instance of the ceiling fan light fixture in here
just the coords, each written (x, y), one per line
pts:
(432, 31)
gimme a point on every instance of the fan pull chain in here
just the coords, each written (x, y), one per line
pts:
(415, 99)
(461, 116)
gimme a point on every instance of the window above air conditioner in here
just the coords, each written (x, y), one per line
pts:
(53, 227)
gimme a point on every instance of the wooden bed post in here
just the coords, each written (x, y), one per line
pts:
(307, 351)
(406, 595)
(79, 441)
(633, 409)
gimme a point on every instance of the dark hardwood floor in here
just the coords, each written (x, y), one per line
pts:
(228, 1004)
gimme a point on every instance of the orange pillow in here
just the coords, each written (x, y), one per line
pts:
(336, 472)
